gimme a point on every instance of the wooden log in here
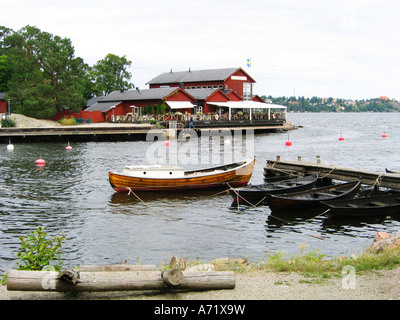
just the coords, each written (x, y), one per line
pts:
(118, 267)
(172, 277)
(20, 280)
(71, 276)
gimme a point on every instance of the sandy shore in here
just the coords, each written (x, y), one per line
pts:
(254, 285)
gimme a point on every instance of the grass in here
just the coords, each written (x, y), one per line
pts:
(315, 267)
(67, 122)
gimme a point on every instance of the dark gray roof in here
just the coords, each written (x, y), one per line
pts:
(200, 94)
(193, 76)
(147, 94)
(93, 100)
(103, 106)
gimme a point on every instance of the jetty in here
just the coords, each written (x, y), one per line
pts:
(116, 131)
(299, 167)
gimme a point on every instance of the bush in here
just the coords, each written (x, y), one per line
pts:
(37, 250)
(8, 123)
(68, 122)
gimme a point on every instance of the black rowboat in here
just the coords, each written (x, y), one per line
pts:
(391, 171)
(256, 193)
(312, 198)
(364, 206)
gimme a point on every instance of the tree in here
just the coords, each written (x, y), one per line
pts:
(46, 76)
(5, 73)
(110, 74)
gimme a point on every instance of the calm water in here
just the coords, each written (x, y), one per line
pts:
(72, 194)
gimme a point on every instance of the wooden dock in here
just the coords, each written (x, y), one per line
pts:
(375, 179)
(107, 132)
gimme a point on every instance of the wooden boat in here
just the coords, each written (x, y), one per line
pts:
(313, 197)
(363, 206)
(170, 178)
(256, 193)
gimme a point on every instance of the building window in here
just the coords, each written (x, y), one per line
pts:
(198, 109)
(246, 90)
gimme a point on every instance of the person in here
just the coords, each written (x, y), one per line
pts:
(191, 124)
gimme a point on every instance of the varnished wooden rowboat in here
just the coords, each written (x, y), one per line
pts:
(171, 178)
(364, 206)
(313, 197)
(257, 193)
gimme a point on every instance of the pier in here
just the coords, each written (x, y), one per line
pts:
(113, 132)
(375, 179)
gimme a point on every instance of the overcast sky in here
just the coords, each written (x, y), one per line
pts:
(341, 49)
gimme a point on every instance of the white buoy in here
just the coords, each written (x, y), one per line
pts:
(10, 147)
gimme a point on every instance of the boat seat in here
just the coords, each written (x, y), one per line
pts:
(322, 194)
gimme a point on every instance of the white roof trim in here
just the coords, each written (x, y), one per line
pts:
(180, 104)
(248, 105)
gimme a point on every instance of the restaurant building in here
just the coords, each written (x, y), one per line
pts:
(207, 95)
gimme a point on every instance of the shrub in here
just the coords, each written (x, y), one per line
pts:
(8, 123)
(68, 122)
(37, 250)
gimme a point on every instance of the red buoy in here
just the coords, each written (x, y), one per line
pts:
(341, 138)
(288, 142)
(384, 135)
(68, 147)
(40, 162)
(167, 143)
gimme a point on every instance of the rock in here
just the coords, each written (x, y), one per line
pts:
(381, 236)
(225, 262)
(202, 267)
(384, 240)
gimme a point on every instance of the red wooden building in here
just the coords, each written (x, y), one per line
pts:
(3, 103)
(235, 79)
(202, 92)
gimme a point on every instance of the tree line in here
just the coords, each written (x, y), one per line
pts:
(41, 74)
(316, 104)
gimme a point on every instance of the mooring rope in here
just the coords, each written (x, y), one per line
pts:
(333, 169)
(269, 167)
(378, 179)
(147, 205)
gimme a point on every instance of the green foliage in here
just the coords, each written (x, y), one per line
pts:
(110, 74)
(41, 75)
(8, 123)
(67, 122)
(37, 250)
(315, 104)
(5, 73)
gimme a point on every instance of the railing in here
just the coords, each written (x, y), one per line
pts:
(198, 117)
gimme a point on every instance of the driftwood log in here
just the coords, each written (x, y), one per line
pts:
(118, 267)
(20, 280)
